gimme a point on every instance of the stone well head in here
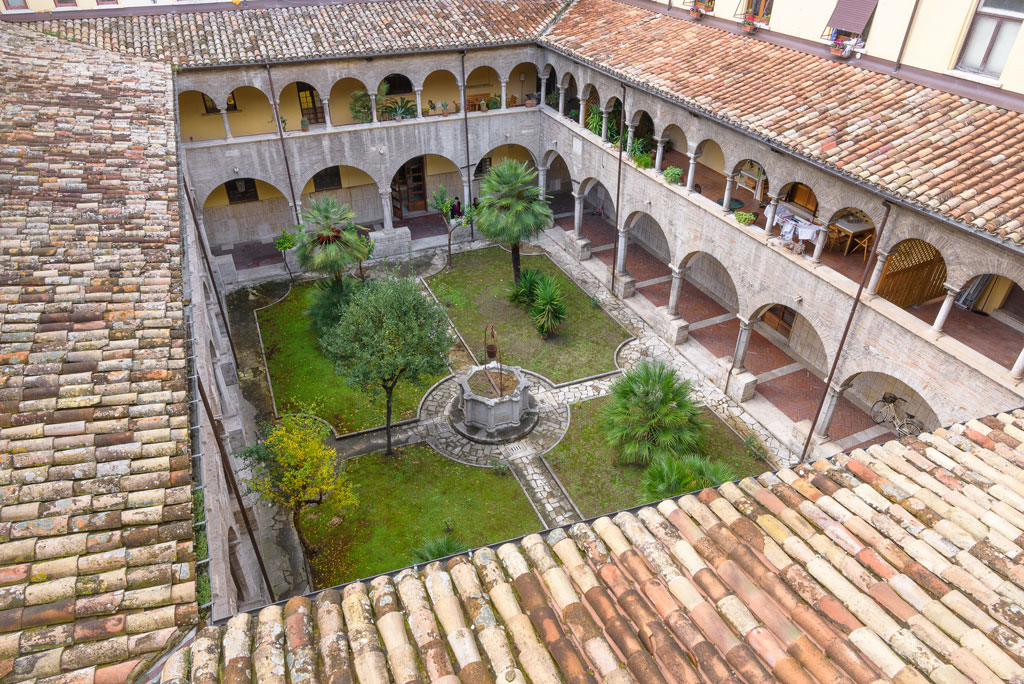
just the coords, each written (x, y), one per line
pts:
(494, 419)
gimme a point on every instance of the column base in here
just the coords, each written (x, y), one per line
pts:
(740, 385)
(820, 447)
(625, 286)
(579, 248)
(677, 330)
(390, 242)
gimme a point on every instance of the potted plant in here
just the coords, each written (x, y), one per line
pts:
(748, 24)
(304, 123)
(483, 105)
(696, 12)
(838, 48)
(444, 109)
(531, 101)
(744, 217)
(494, 102)
(432, 106)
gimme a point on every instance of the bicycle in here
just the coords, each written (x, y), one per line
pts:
(884, 411)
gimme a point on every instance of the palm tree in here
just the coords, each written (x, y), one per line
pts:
(651, 415)
(668, 476)
(329, 240)
(512, 207)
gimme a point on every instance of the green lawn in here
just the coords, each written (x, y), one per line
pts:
(405, 499)
(302, 376)
(476, 293)
(586, 465)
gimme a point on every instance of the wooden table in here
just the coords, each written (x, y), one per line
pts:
(851, 230)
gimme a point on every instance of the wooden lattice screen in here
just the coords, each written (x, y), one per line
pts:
(913, 274)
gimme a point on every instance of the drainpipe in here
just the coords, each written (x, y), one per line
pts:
(906, 37)
(618, 187)
(868, 267)
(465, 130)
(284, 148)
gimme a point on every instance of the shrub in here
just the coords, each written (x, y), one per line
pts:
(203, 593)
(744, 217)
(440, 546)
(673, 174)
(643, 160)
(548, 311)
(651, 414)
(327, 302)
(522, 292)
(668, 476)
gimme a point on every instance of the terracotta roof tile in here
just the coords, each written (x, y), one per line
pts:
(96, 562)
(943, 152)
(893, 563)
(332, 30)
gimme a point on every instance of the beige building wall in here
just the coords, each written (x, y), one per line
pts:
(341, 98)
(194, 121)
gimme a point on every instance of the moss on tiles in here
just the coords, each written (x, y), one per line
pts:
(406, 499)
(302, 376)
(586, 465)
(476, 291)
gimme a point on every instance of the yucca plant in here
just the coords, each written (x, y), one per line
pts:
(441, 546)
(651, 414)
(512, 208)
(329, 240)
(521, 293)
(669, 476)
(548, 310)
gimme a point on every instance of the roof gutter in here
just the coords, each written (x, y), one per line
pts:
(774, 146)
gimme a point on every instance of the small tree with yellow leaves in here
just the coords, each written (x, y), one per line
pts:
(293, 468)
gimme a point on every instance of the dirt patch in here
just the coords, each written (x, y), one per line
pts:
(505, 382)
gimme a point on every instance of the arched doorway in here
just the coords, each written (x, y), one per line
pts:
(300, 107)
(412, 188)
(914, 272)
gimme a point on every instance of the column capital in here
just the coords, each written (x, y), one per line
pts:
(578, 196)
(694, 156)
(503, 81)
(660, 141)
(385, 193)
(745, 324)
(678, 271)
(418, 90)
(951, 289)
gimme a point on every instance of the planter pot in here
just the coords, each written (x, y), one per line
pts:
(306, 127)
(444, 112)
(749, 28)
(531, 103)
(696, 13)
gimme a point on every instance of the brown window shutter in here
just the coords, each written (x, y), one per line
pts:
(852, 15)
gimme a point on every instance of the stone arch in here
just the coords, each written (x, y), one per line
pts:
(802, 195)
(802, 331)
(751, 177)
(257, 218)
(572, 95)
(265, 179)
(194, 120)
(709, 273)
(597, 195)
(867, 385)
(590, 99)
(523, 82)
(914, 272)
(483, 84)
(645, 229)
(440, 86)
(339, 99)
(300, 101)
(500, 153)
(675, 138)
(414, 181)
(550, 83)
(349, 185)
(710, 155)
(255, 115)
(552, 160)
(644, 129)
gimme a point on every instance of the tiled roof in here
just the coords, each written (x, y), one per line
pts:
(332, 30)
(96, 561)
(946, 153)
(900, 563)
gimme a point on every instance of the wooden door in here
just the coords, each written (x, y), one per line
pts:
(416, 185)
(396, 194)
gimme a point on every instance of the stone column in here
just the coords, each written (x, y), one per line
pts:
(462, 97)
(419, 102)
(660, 155)
(947, 306)
(604, 125)
(327, 115)
(467, 188)
(385, 200)
(876, 275)
(691, 173)
(769, 214)
(828, 411)
(673, 295)
(543, 91)
(542, 179)
(1018, 367)
(227, 128)
(577, 214)
(583, 114)
(504, 89)
(620, 262)
(742, 340)
(819, 245)
(373, 107)
(629, 138)
(561, 100)
(727, 200)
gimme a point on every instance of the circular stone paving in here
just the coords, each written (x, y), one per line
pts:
(552, 424)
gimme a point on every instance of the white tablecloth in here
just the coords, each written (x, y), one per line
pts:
(804, 230)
